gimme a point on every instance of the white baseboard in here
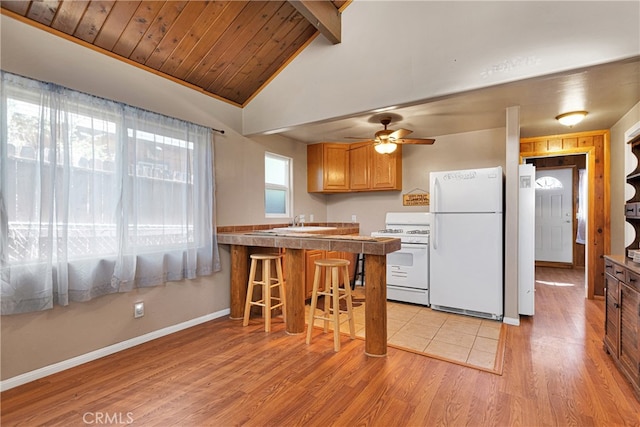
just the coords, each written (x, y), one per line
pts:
(88, 357)
(511, 321)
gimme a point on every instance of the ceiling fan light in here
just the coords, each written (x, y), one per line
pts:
(386, 147)
(571, 118)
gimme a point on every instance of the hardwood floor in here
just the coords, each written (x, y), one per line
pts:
(220, 374)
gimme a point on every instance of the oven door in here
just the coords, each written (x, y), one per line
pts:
(409, 267)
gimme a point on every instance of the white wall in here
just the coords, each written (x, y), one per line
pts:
(395, 53)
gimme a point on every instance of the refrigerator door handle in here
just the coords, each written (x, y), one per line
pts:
(435, 195)
(433, 232)
(435, 215)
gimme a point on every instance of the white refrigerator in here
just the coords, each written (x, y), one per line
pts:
(466, 250)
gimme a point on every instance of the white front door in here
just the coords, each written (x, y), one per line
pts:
(554, 215)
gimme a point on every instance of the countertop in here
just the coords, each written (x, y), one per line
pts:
(323, 241)
(625, 261)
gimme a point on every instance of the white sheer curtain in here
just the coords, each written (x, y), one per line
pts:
(98, 197)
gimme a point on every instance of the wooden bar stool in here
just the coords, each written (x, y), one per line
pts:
(333, 293)
(267, 283)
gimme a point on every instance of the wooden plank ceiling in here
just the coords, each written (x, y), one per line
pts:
(228, 49)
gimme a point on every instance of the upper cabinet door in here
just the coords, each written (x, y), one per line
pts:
(360, 166)
(336, 171)
(386, 170)
(327, 168)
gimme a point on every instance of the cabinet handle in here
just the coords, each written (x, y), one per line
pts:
(619, 271)
(608, 266)
(616, 305)
(632, 280)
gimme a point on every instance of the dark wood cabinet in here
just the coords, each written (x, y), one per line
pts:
(622, 316)
(612, 314)
(629, 321)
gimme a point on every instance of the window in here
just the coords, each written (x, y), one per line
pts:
(99, 197)
(277, 185)
(548, 183)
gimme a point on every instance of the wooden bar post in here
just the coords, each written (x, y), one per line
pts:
(376, 305)
(294, 262)
(239, 280)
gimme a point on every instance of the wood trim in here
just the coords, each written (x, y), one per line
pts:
(607, 192)
(554, 264)
(596, 145)
(323, 15)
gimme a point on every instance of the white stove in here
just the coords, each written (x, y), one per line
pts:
(408, 268)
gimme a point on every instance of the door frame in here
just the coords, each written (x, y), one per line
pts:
(593, 144)
(574, 211)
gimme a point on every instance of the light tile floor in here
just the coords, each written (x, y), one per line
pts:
(458, 338)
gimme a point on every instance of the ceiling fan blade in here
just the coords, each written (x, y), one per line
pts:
(365, 142)
(422, 141)
(400, 133)
(365, 138)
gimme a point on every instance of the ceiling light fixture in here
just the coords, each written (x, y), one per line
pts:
(386, 147)
(571, 118)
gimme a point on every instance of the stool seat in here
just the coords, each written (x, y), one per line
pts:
(268, 302)
(332, 262)
(333, 293)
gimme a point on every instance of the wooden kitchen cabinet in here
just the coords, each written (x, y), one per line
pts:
(372, 171)
(366, 169)
(629, 337)
(312, 255)
(622, 316)
(327, 168)
(612, 315)
(360, 166)
(386, 170)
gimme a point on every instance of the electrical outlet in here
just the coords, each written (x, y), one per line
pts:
(310, 217)
(354, 218)
(138, 310)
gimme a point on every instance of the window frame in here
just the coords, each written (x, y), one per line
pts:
(287, 188)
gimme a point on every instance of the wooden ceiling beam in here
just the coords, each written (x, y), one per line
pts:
(323, 15)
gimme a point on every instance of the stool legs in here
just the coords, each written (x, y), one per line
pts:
(347, 291)
(314, 303)
(268, 283)
(266, 295)
(336, 307)
(332, 295)
(247, 304)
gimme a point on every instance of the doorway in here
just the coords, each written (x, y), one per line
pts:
(554, 216)
(575, 162)
(595, 145)
(559, 171)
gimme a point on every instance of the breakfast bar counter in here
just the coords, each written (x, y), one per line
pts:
(295, 245)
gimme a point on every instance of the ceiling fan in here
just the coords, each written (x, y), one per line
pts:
(386, 140)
